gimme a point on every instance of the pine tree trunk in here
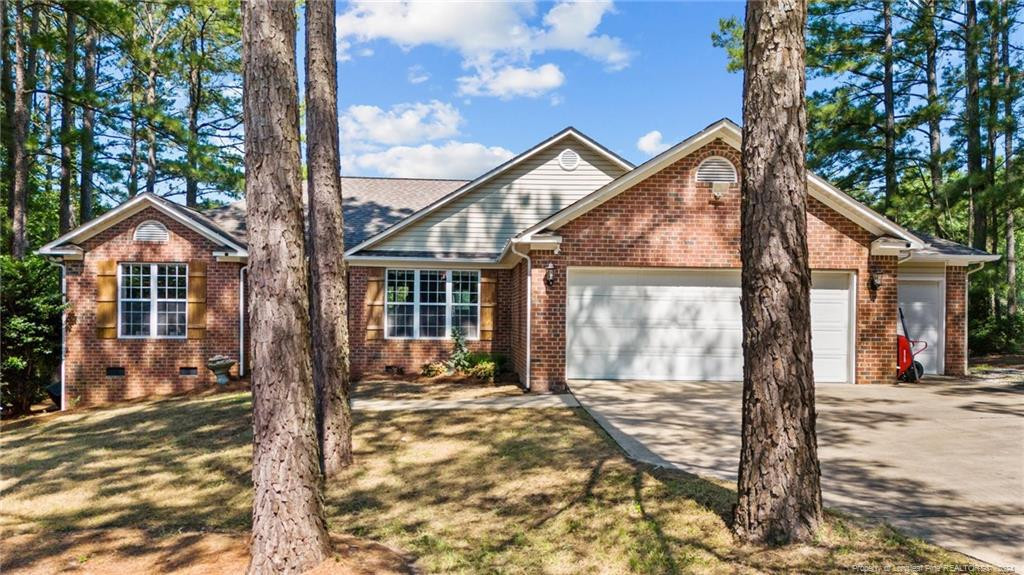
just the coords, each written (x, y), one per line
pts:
(289, 533)
(67, 119)
(1009, 127)
(890, 107)
(21, 117)
(7, 134)
(88, 136)
(779, 476)
(326, 240)
(972, 106)
(934, 113)
(195, 95)
(151, 119)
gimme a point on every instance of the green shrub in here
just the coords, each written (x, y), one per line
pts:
(434, 369)
(31, 310)
(500, 361)
(459, 359)
(996, 335)
(484, 371)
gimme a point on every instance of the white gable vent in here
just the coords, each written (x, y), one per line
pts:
(716, 169)
(151, 231)
(568, 159)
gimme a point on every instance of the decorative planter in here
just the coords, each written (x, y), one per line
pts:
(221, 367)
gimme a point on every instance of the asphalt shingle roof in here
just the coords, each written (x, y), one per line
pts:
(937, 245)
(371, 205)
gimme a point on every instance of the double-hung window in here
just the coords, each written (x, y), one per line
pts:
(427, 304)
(152, 300)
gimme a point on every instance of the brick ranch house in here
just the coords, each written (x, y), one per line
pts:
(567, 259)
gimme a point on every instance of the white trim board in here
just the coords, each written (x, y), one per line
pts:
(445, 200)
(731, 134)
(125, 211)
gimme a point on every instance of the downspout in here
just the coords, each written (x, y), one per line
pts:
(529, 307)
(967, 308)
(242, 271)
(63, 333)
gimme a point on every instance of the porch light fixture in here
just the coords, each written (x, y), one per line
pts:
(549, 275)
(874, 281)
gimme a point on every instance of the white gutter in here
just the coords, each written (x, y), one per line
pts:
(242, 271)
(529, 307)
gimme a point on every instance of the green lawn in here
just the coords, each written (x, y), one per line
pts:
(522, 491)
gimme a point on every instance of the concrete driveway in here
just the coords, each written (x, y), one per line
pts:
(944, 461)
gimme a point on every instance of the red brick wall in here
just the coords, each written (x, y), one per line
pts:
(668, 220)
(370, 357)
(956, 321)
(151, 365)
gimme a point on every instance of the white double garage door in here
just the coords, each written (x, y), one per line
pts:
(679, 325)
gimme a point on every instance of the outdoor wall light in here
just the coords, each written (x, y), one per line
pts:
(874, 281)
(549, 275)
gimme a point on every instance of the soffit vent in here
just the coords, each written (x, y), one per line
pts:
(568, 159)
(151, 231)
(716, 169)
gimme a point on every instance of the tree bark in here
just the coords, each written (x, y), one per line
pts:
(779, 482)
(88, 136)
(890, 106)
(934, 109)
(7, 134)
(326, 240)
(975, 175)
(1011, 193)
(150, 132)
(67, 119)
(289, 533)
(195, 95)
(21, 117)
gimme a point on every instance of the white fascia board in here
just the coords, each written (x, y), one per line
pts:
(888, 246)
(730, 133)
(627, 180)
(423, 263)
(953, 260)
(445, 200)
(128, 209)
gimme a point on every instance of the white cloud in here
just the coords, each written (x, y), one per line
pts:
(450, 160)
(491, 36)
(509, 82)
(417, 74)
(364, 127)
(651, 144)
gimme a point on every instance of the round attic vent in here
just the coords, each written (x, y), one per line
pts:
(716, 169)
(151, 231)
(568, 159)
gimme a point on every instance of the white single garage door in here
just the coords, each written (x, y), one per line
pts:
(923, 303)
(685, 325)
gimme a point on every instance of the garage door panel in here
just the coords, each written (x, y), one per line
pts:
(684, 325)
(923, 307)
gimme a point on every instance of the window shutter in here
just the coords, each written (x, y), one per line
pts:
(196, 299)
(375, 304)
(106, 299)
(488, 303)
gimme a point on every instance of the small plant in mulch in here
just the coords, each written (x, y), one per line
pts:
(458, 361)
(434, 369)
(484, 371)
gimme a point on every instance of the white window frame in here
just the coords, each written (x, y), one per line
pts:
(448, 304)
(153, 301)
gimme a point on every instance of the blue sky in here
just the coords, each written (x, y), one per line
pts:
(450, 90)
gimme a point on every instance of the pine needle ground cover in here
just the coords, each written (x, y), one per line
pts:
(519, 491)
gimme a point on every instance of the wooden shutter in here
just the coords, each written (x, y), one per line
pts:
(106, 299)
(374, 302)
(196, 299)
(488, 304)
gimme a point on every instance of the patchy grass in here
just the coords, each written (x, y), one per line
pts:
(520, 491)
(440, 388)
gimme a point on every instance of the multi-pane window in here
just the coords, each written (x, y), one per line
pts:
(153, 300)
(429, 303)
